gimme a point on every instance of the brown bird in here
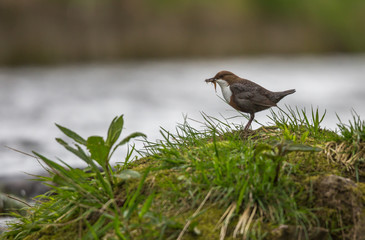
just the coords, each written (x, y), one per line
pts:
(246, 96)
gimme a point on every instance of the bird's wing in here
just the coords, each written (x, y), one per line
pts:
(243, 92)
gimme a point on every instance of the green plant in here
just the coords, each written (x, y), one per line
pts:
(100, 150)
(83, 194)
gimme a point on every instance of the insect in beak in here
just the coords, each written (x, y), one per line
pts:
(212, 80)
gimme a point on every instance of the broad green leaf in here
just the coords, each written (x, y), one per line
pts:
(98, 149)
(128, 174)
(72, 135)
(114, 130)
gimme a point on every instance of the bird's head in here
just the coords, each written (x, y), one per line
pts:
(223, 78)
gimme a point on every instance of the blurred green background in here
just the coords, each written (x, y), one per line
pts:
(55, 31)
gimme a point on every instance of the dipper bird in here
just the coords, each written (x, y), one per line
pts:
(246, 96)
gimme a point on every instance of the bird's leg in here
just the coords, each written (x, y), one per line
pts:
(252, 116)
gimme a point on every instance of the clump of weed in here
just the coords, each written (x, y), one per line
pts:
(354, 131)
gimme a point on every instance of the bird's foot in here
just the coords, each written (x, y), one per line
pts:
(245, 133)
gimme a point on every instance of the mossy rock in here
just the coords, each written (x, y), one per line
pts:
(340, 197)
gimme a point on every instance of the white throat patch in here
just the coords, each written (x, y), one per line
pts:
(226, 90)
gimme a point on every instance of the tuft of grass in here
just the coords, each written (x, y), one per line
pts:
(294, 120)
(354, 131)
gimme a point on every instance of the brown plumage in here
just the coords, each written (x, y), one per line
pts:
(245, 95)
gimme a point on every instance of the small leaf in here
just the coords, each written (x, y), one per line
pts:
(98, 149)
(62, 142)
(127, 139)
(78, 152)
(72, 135)
(115, 130)
(128, 174)
(131, 136)
(301, 148)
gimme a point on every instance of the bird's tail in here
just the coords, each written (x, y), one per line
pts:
(282, 94)
(287, 92)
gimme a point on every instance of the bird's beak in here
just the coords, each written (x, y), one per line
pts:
(212, 80)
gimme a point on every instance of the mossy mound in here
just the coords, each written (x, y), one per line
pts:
(279, 182)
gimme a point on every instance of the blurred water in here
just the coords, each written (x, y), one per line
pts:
(150, 94)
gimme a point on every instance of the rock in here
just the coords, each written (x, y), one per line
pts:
(344, 197)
